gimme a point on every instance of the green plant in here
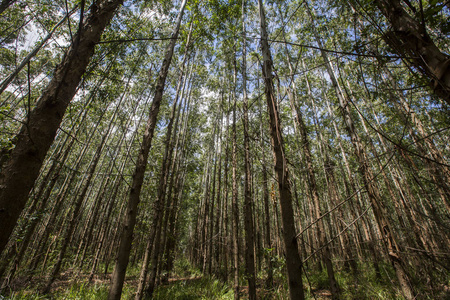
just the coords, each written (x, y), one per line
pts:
(196, 288)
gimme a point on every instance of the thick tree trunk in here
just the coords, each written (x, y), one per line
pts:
(36, 135)
(293, 259)
(46, 186)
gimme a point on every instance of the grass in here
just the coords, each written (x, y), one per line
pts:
(364, 286)
(195, 289)
(189, 284)
(74, 291)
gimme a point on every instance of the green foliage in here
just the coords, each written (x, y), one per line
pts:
(183, 269)
(364, 286)
(195, 288)
(76, 291)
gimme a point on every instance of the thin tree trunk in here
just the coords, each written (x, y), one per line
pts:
(138, 177)
(156, 227)
(234, 201)
(163, 179)
(32, 54)
(379, 210)
(268, 251)
(248, 210)
(293, 259)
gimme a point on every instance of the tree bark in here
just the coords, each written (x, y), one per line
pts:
(234, 196)
(138, 176)
(410, 38)
(36, 135)
(293, 259)
(248, 210)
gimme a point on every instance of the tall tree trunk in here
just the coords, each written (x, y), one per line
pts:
(312, 185)
(234, 196)
(36, 135)
(177, 183)
(248, 210)
(138, 176)
(391, 248)
(218, 219)
(161, 195)
(293, 259)
(268, 251)
(225, 231)
(163, 178)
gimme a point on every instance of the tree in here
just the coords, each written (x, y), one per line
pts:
(248, 207)
(293, 260)
(138, 176)
(409, 37)
(36, 135)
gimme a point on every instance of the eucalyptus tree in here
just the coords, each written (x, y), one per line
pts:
(138, 176)
(4, 84)
(411, 38)
(156, 229)
(36, 135)
(248, 209)
(293, 259)
(379, 207)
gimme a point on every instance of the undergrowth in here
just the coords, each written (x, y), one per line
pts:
(187, 283)
(195, 289)
(75, 291)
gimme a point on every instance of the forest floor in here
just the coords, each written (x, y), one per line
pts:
(190, 284)
(73, 285)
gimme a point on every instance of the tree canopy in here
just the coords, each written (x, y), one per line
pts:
(272, 149)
